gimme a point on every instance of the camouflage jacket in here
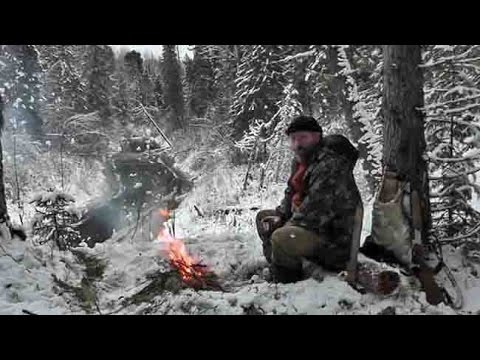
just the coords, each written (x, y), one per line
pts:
(329, 202)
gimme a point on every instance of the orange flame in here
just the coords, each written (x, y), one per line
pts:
(190, 270)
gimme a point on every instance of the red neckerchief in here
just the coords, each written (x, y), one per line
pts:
(297, 184)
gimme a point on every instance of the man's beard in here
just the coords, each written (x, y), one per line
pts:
(305, 152)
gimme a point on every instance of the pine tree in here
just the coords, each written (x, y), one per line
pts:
(302, 58)
(158, 92)
(133, 66)
(188, 84)
(200, 80)
(322, 74)
(63, 89)
(271, 136)
(119, 92)
(223, 61)
(172, 86)
(151, 71)
(128, 86)
(99, 69)
(259, 85)
(3, 203)
(361, 83)
(453, 135)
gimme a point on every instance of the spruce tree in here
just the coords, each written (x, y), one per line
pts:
(128, 90)
(453, 138)
(3, 203)
(63, 87)
(99, 69)
(172, 86)
(200, 79)
(259, 85)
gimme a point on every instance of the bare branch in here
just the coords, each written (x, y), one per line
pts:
(447, 177)
(456, 121)
(453, 160)
(450, 58)
(433, 106)
(473, 232)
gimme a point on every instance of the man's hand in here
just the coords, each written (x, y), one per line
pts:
(271, 223)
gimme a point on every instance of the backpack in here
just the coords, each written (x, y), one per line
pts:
(391, 227)
(342, 146)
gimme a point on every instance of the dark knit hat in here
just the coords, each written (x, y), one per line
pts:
(304, 123)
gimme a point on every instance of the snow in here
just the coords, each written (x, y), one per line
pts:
(26, 285)
(299, 55)
(471, 153)
(52, 196)
(228, 244)
(444, 59)
(475, 201)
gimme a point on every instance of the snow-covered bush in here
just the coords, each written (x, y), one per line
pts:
(84, 133)
(29, 168)
(202, 147)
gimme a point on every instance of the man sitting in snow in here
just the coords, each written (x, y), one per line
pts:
(316, 217)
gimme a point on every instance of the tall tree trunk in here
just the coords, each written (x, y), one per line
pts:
(3, 204)
(404, 137)
(404, 147)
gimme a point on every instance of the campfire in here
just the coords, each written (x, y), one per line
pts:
(193, 273)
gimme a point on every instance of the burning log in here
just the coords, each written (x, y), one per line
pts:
(196, 276)
(192, 272)
(185, 271)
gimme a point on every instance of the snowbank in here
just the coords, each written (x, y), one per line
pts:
(227, 243)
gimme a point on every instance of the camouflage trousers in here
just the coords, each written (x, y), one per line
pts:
(286, 245)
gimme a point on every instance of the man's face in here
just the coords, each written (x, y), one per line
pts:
(302, 142)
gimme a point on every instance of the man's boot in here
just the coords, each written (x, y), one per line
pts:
(285, 275)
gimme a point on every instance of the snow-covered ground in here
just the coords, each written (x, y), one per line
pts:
(24, 283)
(227, 243)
